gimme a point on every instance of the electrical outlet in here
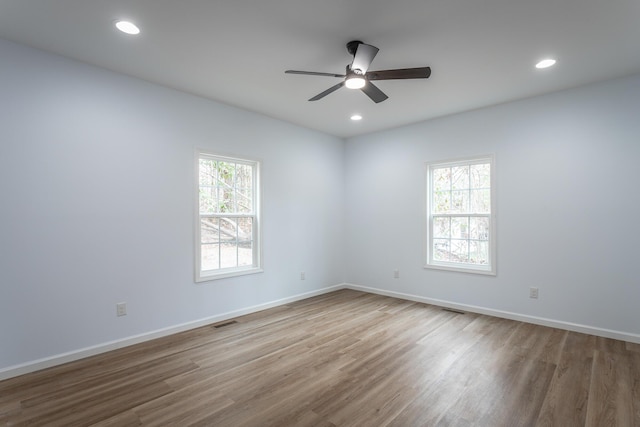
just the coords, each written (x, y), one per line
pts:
(396, 274)
(302, 276)
(121, 309)
(533, 293)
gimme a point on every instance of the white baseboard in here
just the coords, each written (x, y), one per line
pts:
(36, 365)
(585, 329)
(59, 359)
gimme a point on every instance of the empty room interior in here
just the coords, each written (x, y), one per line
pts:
(319, 213)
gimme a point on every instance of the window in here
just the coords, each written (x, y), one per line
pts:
(460, 216)
(228, 230)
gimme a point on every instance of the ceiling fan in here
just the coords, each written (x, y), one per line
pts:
(357, 75)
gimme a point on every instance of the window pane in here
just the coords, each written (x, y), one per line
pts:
(479, 253)
(442, 179)
(209, 230)
(228, 255)
(460, 178)
(442, 202)
(480, 201)
(245, 241)
(244, 182)
(207, 193)
(479, 228)
(480, 176)
(210, 257)
(459, 251)
(228, 229)
(460, 201)
(460, 228)
(245, 229)
(207, 172)
(245, 253)
(442, 227)
(441, 249)
(226, 176)
(207, 200)
(245, 200)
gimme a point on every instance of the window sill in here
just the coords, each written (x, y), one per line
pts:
(227, 273)
(470, 270)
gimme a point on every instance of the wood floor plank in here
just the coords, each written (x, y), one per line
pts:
(635, 391)
(92, 408)
(629, 346)
(523, 387)
(538, 342)
(345, 358)
(122, 419)
(610, 392)
(181, 409)
(566, 401)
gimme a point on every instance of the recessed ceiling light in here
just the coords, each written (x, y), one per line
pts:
(545, 63)
(356, 117)
(127, 27)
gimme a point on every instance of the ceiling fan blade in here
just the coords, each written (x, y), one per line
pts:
(327, 92)
(404, 73)
(313, 73)
(374, 93)
(363, 57)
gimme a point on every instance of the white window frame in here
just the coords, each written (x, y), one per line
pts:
(430, 262)
(256, 267)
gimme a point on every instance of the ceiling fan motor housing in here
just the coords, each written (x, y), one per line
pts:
(350, 71)
(352, 46)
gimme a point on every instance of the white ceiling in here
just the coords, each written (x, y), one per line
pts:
(482, 52)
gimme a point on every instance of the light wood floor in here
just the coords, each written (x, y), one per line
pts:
(342, 359)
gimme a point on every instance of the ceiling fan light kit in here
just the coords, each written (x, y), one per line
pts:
(355, 82)
(358, 77)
